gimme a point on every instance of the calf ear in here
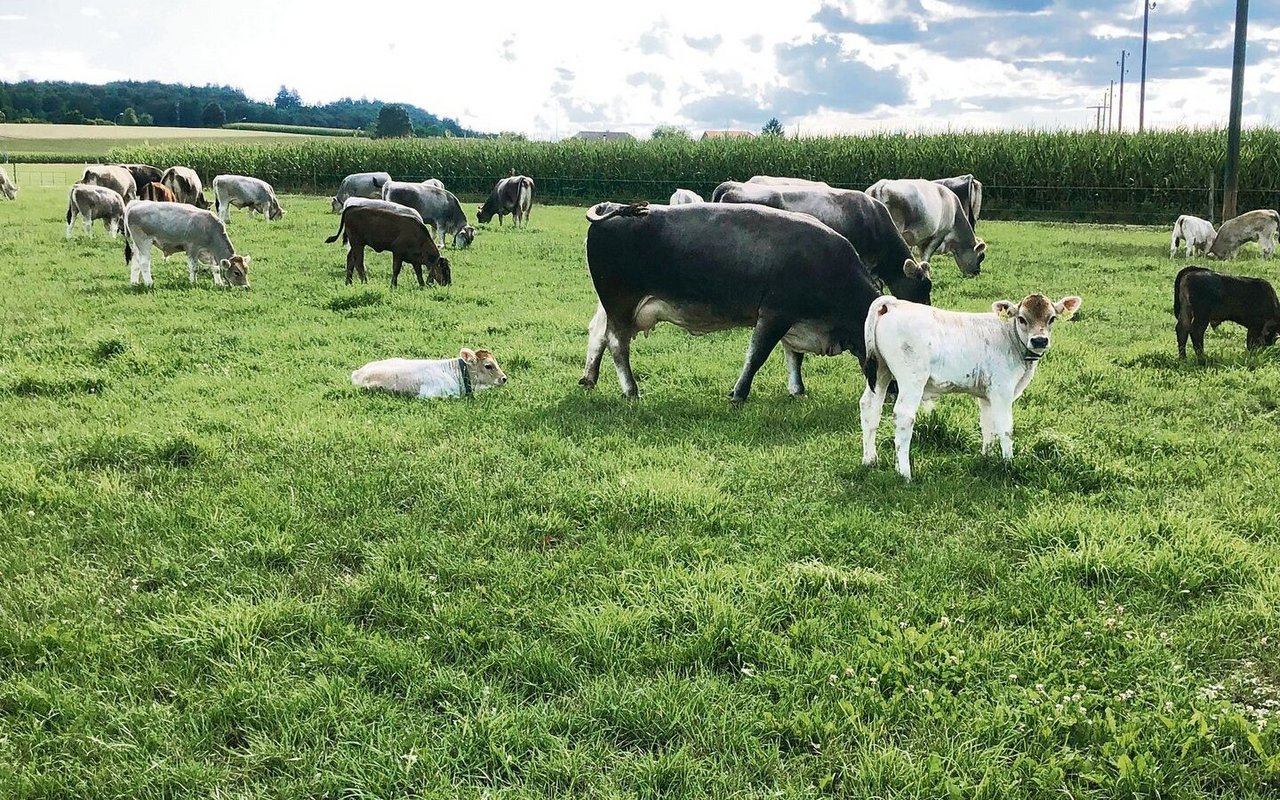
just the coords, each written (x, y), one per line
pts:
(913, 270)
(1005, 308)
(225, 263)
(1067, 306)
(467, 355)
(980, 247)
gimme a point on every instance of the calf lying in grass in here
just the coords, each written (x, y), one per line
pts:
(470, 372)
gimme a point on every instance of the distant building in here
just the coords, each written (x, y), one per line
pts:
(604, 136)
(728, 135)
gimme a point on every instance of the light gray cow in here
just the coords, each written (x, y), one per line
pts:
(438, 208)
(112, 177)
(969, 190)
(1197, 233)
(242, 191)
(7, 187)
(436, 182)
(684, 196)
(1252, 226)
(360, 184)
(177, 227)
(91, 202)
(185, 185)
(932, 218)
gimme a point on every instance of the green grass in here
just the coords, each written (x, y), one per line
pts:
(227, 572)
(78, 142)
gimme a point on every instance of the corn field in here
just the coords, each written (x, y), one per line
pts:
(1067, 175)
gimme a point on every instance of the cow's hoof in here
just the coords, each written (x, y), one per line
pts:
(586, 383)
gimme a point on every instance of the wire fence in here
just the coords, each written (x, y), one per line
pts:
(1141, 205)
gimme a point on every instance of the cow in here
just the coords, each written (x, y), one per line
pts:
(156, 191)
(861, 219)
(707, 266)
(436, 182)
(143, 174)
(242, 191)
(388, 226)
(437, 207)
(772, 180)
(175, 227)
(472, 371)
(1202, 297)
(92, 202)
(930, 352)
(1252, 226)
(1197, 233)
(511, 195)
(969, 190)
(185, 185)
(931, 216)
(680, 196)
(359, 184)
(7, 187)
(118, 179)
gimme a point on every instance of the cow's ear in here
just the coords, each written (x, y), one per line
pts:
(1004, 309)
(483, 354)
(1067, 306)
(467, 355)
(913, 270)
(225, 263)
(980, 247)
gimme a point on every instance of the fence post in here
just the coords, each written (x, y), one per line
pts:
(1212, 177)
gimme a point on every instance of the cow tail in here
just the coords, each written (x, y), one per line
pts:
(128, 240)
(871, 364)
(342, 221)
(71, 204)
(597, 213)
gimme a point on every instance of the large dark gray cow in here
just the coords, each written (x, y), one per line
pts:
(143, 174)
(969, 190)
(706, 267)
(861, 219)
(931, 217)
(511, 195)
(438, 208)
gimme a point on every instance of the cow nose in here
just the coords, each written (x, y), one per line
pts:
(503, 379)
(1039, 342)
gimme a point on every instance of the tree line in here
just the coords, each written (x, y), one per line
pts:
(178, 105)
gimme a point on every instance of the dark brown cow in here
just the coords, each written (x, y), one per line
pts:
(512, 195)
(156, 191)
(1202, 297)
(387, 226)
(143, 173)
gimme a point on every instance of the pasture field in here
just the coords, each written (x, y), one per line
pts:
(19, 138)
(229, 573)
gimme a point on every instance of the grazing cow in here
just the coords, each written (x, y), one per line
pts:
(437, 207)
(359, 184)
(185, 185)
(118, 179)
(7, 187)
(931, 216)
(470, 372)
(512, 195)
(1252, 226)
(707, 267)
(143, 174)
(175, 227)
(156, 191)
(388, 226)
(861, 219)
(1198, 234)
(682, 196)
(930, 352)
(1202, 297)
(969, 190)
(242, 191)
(94, 202)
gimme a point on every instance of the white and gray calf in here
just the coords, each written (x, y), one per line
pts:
(112, 177)
(177, 227)
(360, 184)
(1252, 226)
(1198, 235)
(470, 372)
(683, 196)
(438, 208)
(91, 202)
(931, 217)
(242, 191)
(930, 352)
(7, 187)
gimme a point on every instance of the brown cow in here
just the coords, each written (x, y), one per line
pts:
(388, 226)
(1202, 297)
(157, 191)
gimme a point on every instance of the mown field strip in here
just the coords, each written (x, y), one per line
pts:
(227, 572)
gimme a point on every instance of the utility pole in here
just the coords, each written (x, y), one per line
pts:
(1147, 7)
(1111, 90)
(1097, 116)
(1232, 179)
(1124, 54)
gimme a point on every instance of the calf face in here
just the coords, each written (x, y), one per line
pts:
(335, 203)
(465, 236)
(235, 270)
(274, 211)
(1033, 319)
(483, 369)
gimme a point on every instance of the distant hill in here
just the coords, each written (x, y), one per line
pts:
(173, 104)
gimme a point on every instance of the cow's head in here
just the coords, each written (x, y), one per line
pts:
(440, 271)
(274, 211)
(483, 216)
(970, 261)
(466, 235)
(335, 203)
(11, 191)
(918, 284)
(235, 270)
(1033, 319)
(484, 370)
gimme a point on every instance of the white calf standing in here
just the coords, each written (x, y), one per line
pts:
(177, 227)
(242, 191)
(91, 202)
(931, 352)
(1197, 233)
(470, 372)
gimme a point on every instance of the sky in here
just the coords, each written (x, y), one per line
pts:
(548, 69)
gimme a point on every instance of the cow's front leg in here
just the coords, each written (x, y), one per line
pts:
(927, 249)
(764, 337)
(984, 420)
(417, 270)
(191, 270)
(217, 273)
(597, 336)
(795, 381)
(1001, 416)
